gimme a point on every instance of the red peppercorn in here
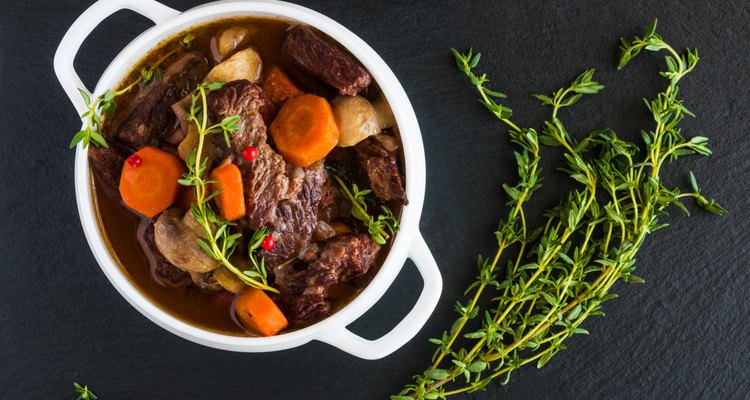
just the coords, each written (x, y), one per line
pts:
(135, 160)
(268, 243)
(249, 153)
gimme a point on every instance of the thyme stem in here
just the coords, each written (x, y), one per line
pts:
(218, 243)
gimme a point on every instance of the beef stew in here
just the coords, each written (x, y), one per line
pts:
(316, 230)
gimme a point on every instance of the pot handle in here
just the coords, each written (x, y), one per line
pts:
(358, 346)
(83, 26)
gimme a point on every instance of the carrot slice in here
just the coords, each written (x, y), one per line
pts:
(305, 130)
(148, 183)
(231, 199)
(258, 313)
(278, 86)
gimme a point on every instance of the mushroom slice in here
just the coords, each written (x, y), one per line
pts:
(356, 119)
(228, 280)
(179, 244)
(245, 64)
(385, 115)
(230, 39)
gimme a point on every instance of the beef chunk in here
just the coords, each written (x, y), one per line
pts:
(267, 179)
(376, 157)
(107, 162)
(162, 270)
(304, 287)
(151, 117)
(295, 219)
(323, 231)
(325, 60)
(345, 257)
(309, 252)
(333, 205)
(302, 310)
(254, 107)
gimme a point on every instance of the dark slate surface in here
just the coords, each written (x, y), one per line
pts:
(680, 335)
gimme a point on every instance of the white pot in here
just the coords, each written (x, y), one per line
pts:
(407, 243)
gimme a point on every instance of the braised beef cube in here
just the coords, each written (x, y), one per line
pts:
(323, 231)
(267, 179)
(150, 116)
(341, 259)
(310, 251)
(333, 205)
(254, 107)
(325, 60)
(304, 310)
(107, 162)
(295, 219)
(376, 156)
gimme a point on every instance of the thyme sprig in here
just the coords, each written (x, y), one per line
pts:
(259, 267)
(84, 393)
(219, 242)
(565, 268)
(106, 105)
(380, 227)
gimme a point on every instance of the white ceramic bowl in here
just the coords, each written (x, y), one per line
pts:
(407, 243)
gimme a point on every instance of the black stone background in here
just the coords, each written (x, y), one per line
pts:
(681, 335)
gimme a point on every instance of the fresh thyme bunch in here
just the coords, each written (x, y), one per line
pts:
(565, 268)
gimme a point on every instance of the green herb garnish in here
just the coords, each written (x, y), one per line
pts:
(105, 104)
(259, 268)
(381, 227)
(565, 268)
(219, 243)
(83, 392)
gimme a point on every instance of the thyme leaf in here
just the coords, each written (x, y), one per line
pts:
(258, 263)
(84, 393)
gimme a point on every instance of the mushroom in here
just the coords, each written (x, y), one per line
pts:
(230, 39)
(178, 243)
(356, 119)
(228, 280)
(190, 141)
(245, 64)
(385, 115)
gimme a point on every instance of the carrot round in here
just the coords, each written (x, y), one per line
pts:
(305, 130)
(148, 183)
(278, 86)
(258, 313)
(231, 199)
